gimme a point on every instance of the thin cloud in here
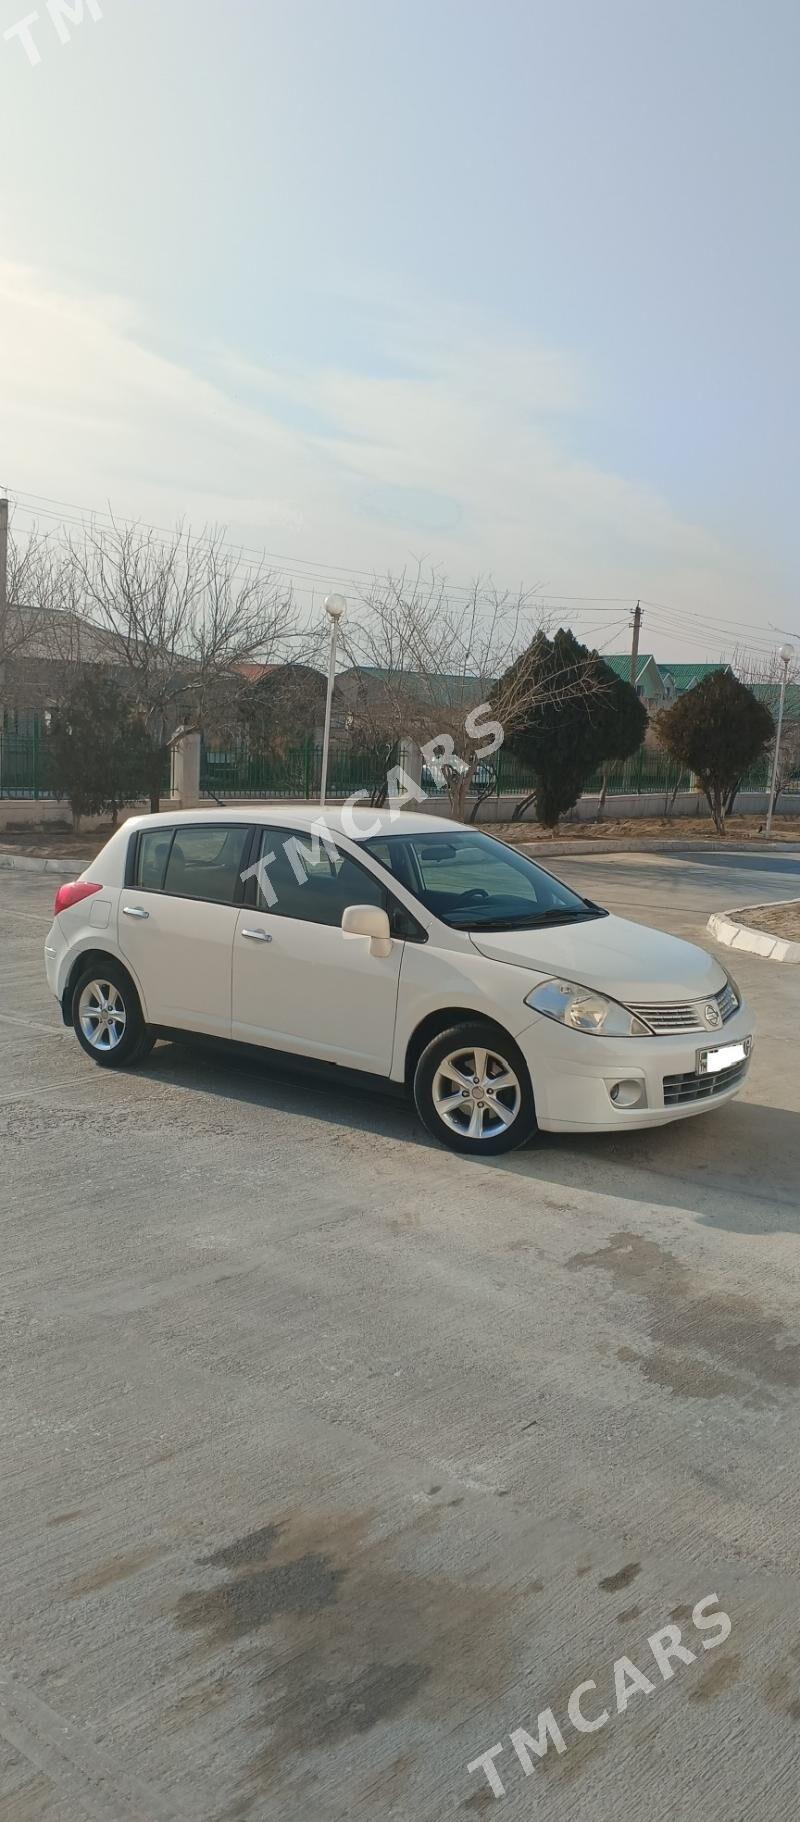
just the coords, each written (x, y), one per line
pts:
(473, 461)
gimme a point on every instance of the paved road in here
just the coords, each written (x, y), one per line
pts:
(328, 1459)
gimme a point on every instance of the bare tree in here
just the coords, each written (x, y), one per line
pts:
(428, 659)
(38, 591)
(182, 613)
(788, 759)
(44, 638)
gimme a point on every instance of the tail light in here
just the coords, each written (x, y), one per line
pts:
(70, 895)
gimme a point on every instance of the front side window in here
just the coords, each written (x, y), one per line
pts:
(472, 882)
(299, 876)
(206, 861)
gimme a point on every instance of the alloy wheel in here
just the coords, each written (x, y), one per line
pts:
(476, 1093)
(102, 1015)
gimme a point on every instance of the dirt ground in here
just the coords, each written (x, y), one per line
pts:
(51, 842)
(329, 1456)
(777, 920)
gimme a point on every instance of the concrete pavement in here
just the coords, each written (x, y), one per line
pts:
(330, 1458)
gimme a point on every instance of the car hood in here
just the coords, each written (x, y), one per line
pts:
(628, 961)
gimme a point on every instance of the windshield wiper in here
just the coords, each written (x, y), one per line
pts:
(539, 922)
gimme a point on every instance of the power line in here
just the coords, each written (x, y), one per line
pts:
(700, 618)
(698, 639)
(618, 600)
(249, 556)
(715, 628)
(308, 575)
(609, 632)
(92, 512)
(706, 640)
(302, 564)
(164, 538)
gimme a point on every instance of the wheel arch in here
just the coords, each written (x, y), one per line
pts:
(91, 957)
(443, 1019)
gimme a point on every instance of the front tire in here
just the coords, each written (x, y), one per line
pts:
(472, 1090)
(107, 1017)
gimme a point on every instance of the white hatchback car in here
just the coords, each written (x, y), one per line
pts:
(403, 946)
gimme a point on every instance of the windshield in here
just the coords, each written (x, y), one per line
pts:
(473, 882)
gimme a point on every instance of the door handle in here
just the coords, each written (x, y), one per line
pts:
(258, 936)
(134, 911)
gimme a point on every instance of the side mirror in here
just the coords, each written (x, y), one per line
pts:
(368, 920)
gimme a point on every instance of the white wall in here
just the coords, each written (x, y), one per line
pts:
(26, 812)
(35, 813)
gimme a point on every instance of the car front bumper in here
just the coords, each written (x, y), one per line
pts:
(572, 1075)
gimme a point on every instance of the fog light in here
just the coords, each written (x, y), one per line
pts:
(628, 1094)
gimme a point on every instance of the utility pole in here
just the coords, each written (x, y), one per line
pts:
(786, 655)
(637, 627)
(335, 608)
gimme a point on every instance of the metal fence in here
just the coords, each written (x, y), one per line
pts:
(27, 769)
(236, 772)
(24, 766)
(650, 770)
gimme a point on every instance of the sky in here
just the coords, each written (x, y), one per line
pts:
(505, 287)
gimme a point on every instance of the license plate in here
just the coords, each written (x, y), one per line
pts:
(710, 1062)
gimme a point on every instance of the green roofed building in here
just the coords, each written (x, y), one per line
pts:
(659, 683)
(685, 676)
(651, 685)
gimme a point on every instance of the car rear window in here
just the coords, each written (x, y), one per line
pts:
(196, 861)
(152, 857)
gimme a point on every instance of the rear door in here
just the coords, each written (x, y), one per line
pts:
(300, 984)
(177, 921)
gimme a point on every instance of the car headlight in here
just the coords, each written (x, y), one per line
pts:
(584, 1010)
(734, 985)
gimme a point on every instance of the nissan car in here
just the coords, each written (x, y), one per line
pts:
(401, 946)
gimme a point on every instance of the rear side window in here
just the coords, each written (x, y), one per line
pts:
(152, 857)
(206, 861)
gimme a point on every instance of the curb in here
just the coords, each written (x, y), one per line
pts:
(624, 844)
(724, 926)
(627, 844)
(37, 863)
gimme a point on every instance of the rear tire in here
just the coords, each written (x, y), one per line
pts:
(107, 1016)
(472, 1090)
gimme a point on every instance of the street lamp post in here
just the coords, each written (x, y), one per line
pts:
(335, 608)
(785, 654)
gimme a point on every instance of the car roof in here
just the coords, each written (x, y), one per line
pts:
(341, 820)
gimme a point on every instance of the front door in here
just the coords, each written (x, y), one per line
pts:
(300, 984)
(177, 922)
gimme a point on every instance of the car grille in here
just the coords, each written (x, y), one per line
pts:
(670, 1019)
(680, 1089)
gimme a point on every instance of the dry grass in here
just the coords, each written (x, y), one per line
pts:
(52, 843)
(653, 828)
(777, 920)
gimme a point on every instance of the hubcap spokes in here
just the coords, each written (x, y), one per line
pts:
(476, 1093)
(102, 1015)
